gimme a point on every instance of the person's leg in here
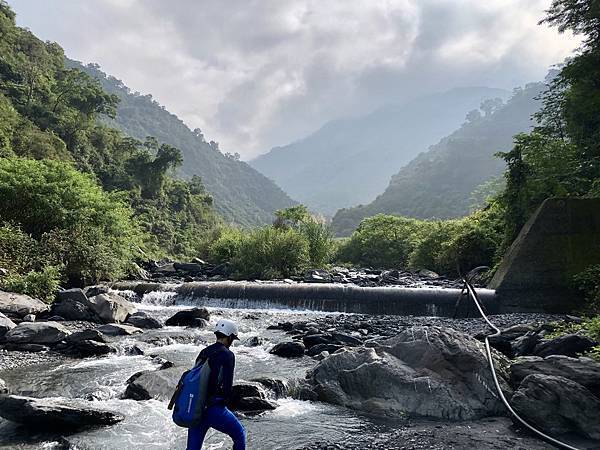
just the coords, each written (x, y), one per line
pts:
(196, 436)
(227, 423)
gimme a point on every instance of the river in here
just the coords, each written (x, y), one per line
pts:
(293, 424)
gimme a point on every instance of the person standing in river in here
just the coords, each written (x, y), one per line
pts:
(222, 365)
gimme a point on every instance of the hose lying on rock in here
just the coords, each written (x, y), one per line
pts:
(468, 287)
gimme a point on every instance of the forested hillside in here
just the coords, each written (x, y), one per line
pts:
(350, 161)
(241, 194)
(439, 183)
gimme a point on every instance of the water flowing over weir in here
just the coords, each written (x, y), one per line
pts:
(426, 301)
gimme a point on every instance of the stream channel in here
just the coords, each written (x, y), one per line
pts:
(293, 424)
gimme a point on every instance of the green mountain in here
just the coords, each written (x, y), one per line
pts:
(349, 161)
(438, 183)
(241, 194)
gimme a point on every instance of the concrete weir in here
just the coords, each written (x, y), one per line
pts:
(320, 297)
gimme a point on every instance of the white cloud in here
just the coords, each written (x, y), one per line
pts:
(258, 73)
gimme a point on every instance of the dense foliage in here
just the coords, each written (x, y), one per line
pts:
(76, 195)
(444, 246)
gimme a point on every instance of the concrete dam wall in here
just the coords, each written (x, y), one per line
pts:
(320, 297)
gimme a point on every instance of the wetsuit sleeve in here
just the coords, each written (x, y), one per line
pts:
(228, 368)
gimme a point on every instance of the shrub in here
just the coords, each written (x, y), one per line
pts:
(89, 231)
(227, 247)
(381, 241)
(270, 252)
(320, 241)
(18, 250)
(588, 282)
(42, 285)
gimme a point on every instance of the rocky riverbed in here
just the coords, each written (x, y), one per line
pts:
(305, 379)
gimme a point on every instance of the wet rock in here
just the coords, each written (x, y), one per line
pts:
(584, 371)
(56, 319)
(279, 388)
(428, 274)
(525, 344)
(424, 371)
(111, 307)
(188, 267)
(252, 341)
(288, 349)
(92, 291)
(162, 362)
(316, 339)
(5, 325)
(31, 348)
(19, 305)
(153, 384)
(558, 405)
(188, 317)
(54, 413)
(3, 387)
(346, 339)
(89, 334)
(250, 398)
(114, 329)
(37, 333)
(87, 348)
(319, 348)
(29, 318)
(317, 276)
(73, 304)
(321, 356)
(285, 326)
(141, 319)
(568, 345)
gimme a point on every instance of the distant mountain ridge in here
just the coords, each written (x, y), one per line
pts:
(438, 183)
(349, 161)
(241, 194)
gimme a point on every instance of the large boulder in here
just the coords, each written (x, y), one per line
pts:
(250, 398)
(568, 345)
(423, 371)
(5, 325)
(153, 384)
(289, 349)
(584, 371)
(189, 318)
(37, 333)
(111, 307)
(54, 412)
(20, 305)
(73, 304)
(141, 319)
(87, 348)
(558, 405)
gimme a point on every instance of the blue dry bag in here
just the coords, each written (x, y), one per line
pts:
(189, 400)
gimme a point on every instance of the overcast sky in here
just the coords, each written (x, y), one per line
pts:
(253, 74)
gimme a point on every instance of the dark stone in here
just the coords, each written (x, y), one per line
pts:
(90, 334)
(568, 345)
(54, 413)
(252, 341)
(115, 329)
(288, 349)
(92, 291)
(558, 405)
(346, 339)
(157, 384)
(163, 363)
(584, 371)
(3, 387)
(19, 305)
(317, 276)
(87, 348)
(188, 317)
(111, 307)
(56, 319)
(46, 333)
(278, 387)
(524, 345)
(70, 308)
(188, 267)
(317, 349)
(141, 319)
(315, 339)
(32, 348)
(254, 405)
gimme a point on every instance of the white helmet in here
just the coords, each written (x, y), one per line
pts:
(227, 327)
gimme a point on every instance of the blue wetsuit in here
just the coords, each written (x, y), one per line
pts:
(218, 416)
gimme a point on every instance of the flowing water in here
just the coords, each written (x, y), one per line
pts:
(148, 425)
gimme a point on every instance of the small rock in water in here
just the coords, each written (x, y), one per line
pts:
(188, 317)
(288, 349)
(141, 319)
(54, 413)
(114, 329)
(87, 348)
(90, 334)
(29, 318)
(252, 341)
(3, 387)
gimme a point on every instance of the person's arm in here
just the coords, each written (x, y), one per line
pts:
(228, 368)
